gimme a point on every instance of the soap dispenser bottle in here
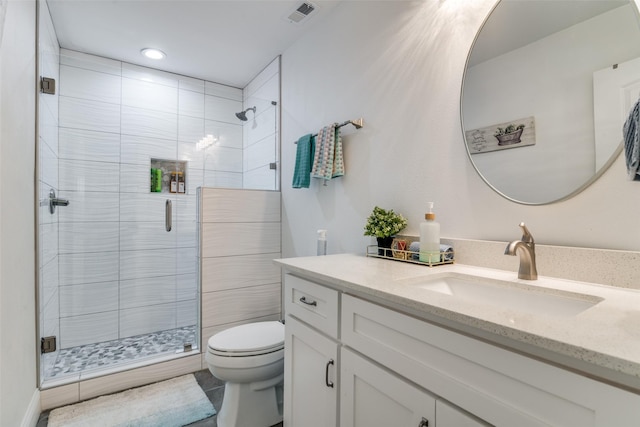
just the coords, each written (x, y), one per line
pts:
(430, 238)
(322, 242)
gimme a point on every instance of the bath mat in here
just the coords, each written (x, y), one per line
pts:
(172, 403)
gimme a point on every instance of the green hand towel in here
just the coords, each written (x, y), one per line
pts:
(304, 157)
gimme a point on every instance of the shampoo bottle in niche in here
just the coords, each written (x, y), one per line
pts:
(322, 242)
(430, 238)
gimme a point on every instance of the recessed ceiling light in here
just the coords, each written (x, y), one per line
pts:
(153, 53)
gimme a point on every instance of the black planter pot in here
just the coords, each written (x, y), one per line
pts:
(384, 246)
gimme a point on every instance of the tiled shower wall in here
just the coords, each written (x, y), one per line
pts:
(121, 273)
(261, 136)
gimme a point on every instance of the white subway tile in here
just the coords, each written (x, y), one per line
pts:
(191, 104)
(90, 328)
(265, 95)
(90, 62)
(271, 70)
(261, 179)
(147, 263)
(78, 237)
(187, 151)
(148, 123)
(222, 109)
(88, 84)
(191, 84)
(222, 179)
(88, 267)
(140, 149)
(88, 298)
(195, 179)
(146, 236)
(135, 179)
(190, 129)
(186, 233)
(187, 313)
(89, 206)
(147, 291)
(150, 96)
(187, 260)
(48, 166)
(48, 128)
(90, 115)
(144, 320)
(260, 154)
(265, 125)
(186, 286)
(79, 175)
(223, 91)
(149, 207)
(229, 135)
(49, 280)
(48, 242)
(223, 159)
(78, 144)
(149, 75)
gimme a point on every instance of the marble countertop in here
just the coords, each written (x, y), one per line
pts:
(602, 341)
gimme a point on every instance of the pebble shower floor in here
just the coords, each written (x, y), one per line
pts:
(105, 354)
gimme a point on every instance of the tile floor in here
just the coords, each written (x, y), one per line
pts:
(212, 387)
(109, 353)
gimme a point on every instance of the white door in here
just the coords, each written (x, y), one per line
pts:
(371, 396)
(615, 90)
(310, 378)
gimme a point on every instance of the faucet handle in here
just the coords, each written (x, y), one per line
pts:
(526, 235)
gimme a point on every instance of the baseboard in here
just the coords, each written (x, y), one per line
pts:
(32, 414)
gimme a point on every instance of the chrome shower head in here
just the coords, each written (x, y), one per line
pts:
(243, 114)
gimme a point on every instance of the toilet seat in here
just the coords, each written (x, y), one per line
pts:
(252, 339)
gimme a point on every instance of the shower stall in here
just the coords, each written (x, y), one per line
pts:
(121, 151)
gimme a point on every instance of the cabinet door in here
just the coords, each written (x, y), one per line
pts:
(310, 380)
(371, 396)
(450, 416)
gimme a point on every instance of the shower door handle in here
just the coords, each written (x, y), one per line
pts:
(167, 215)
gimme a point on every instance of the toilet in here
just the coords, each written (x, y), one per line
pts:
(250, 359)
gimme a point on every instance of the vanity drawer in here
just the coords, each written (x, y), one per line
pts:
(312, 303)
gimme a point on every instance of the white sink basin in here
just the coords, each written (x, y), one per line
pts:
(509, 295)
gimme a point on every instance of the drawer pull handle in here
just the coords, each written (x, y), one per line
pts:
(304, 301)
(326, 374)
(424, 422)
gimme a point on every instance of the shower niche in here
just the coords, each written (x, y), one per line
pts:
(168, 176)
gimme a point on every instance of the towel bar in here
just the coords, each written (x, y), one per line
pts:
(358, 123)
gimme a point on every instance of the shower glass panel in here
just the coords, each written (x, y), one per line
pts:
(118, 279)
(118, 270)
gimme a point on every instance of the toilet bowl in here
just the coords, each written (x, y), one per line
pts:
(250, 359)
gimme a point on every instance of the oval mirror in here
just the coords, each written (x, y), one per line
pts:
(547, 88)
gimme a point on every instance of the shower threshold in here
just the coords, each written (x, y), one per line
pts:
(110, 354)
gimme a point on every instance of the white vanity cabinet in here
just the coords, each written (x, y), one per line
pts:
(371, 396)
(311, 354)
(399, 370)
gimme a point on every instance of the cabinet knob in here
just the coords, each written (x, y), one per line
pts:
(326, 374)
(424, 422)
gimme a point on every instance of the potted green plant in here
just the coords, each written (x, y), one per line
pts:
(384, 224)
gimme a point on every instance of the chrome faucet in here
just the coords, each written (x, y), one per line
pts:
(527, 269)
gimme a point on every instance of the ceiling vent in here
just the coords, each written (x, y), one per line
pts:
(302, 13)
